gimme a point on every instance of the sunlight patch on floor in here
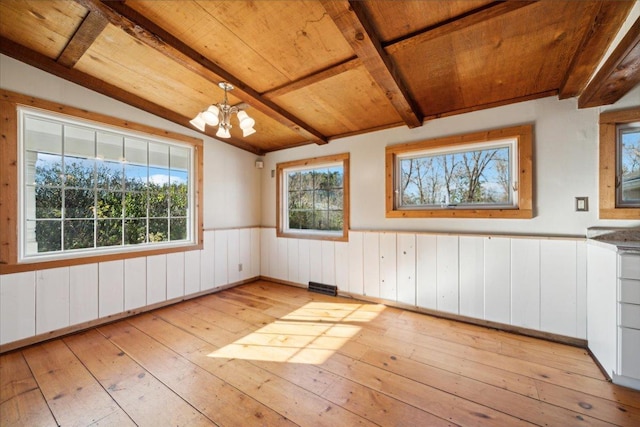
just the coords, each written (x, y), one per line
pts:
(310, 334)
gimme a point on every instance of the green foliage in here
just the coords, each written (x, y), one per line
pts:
(315, 200)
(104, 206)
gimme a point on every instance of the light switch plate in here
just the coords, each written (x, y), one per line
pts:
(582, 204)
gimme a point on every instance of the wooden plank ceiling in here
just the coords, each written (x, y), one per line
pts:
(312, 71)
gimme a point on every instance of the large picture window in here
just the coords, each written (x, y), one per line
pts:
(79, 187)
(87, 189)
(485, 174)
(313, 198)
(619, 180)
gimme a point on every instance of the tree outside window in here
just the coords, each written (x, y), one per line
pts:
(313, 198)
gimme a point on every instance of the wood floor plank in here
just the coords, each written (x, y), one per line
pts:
(589, 405)
(290, 400)
(441, 404)
(216, 317)
(380, 408)
(21, 401)
(146, 400)
(505, 343)
(203, 390)
(70, 390)
(499, 399)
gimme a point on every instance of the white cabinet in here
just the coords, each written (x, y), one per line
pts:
(613, 303)
(629, 320)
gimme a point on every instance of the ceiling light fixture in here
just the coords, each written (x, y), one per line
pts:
(220, 115)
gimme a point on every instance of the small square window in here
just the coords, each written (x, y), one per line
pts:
(313, 198)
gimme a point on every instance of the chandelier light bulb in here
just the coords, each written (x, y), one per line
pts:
(223, 132)
(210, 115)
(198, 122)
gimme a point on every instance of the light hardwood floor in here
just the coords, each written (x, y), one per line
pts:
(269, 354)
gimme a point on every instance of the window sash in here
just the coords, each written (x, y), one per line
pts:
(628, 183)
(443, 199)
(315, 194)
(70, 216)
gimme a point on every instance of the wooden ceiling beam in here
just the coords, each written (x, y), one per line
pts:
(619, 74)
(85, 35)
(608, 16)
(23, 54)
(316, 77)
(352, 20)
(149, 33)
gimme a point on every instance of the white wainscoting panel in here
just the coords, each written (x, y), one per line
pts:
(221, 274)
(525, 283)
(17, 306)
(176, 274)
(156, 279)
(303, 262)
(207, 261)
(342, 265)
(472, 285)
(328, 262)
(255, 253)
(558, 287)
(356, 267)
(52, 299)
(293, 256)
(388, 267)
(315, 261)
(371, 264)
(406, 274)
(447, 268)
(497, 279)
(192, 270)
(135, 283)
(426, 271)
(83, 293)
(282, 272)
(110, 287)
(233, 256)
(265, 265)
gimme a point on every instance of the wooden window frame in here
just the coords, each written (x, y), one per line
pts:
(607, 164)
(524, 209)
(311, 163)
(9, 191)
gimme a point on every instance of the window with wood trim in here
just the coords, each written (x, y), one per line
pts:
(313, 198)
(482, 175)
(619, 186)
(84, 187)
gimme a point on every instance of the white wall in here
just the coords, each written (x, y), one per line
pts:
(565, 166)
(231, 181)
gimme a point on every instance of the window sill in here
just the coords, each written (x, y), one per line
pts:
(462, 213)
(314, 236)
(92, 259)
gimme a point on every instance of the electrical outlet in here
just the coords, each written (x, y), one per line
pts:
(240, 267)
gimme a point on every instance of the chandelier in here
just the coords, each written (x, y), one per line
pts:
(220, 115)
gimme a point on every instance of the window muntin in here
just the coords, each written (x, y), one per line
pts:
(473, 175)
(313, 198)
(628, 165)
(88, 189)
(498, 191)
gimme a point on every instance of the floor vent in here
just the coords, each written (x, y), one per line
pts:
(321, 288)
